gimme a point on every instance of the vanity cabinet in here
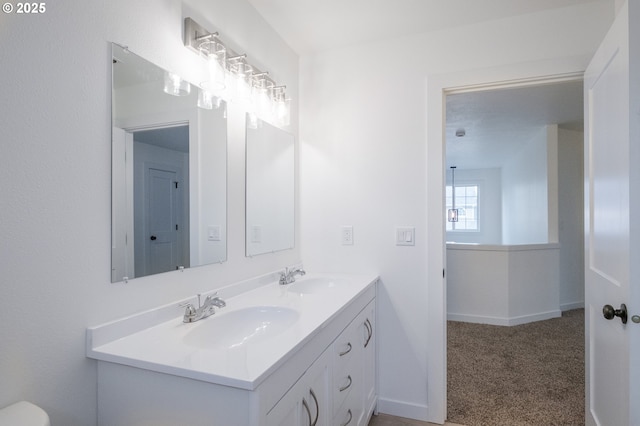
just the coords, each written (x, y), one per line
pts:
(340, 387)
(328, 379)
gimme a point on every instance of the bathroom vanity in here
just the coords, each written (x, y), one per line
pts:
(296, 354)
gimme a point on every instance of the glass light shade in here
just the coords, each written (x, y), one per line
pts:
(242, 92)
(175, 85)
(215, 54)
(262, 99)
(452, 215)
(283, 111)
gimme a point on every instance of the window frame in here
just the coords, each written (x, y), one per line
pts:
(448, 205)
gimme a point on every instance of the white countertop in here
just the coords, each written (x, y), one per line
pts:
(138, 341)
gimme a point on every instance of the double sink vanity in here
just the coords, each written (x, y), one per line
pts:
(301, 353)
(274, 350)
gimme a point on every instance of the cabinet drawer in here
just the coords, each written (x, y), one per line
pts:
(346, 346)
(350, 412)
(344, 384)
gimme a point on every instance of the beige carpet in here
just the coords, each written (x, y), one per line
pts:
(526, 375)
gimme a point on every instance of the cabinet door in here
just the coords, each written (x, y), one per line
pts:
(369, 388)
(288, 411)
(316, 393)
(307, 402)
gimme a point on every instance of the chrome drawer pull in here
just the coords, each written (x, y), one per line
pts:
(344, 388)
(350, 418)
(347, 351)
(369, 327)
(317, 407)
(306, 407)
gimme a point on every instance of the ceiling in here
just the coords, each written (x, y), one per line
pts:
(315, 25)
(175, 138)
(498, 123)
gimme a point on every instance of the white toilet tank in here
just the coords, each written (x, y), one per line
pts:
(23, 413)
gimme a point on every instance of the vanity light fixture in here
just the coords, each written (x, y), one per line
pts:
(452, 213)
(233, 78)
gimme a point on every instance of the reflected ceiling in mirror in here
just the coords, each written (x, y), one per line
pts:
(269, 188)
(169, 176)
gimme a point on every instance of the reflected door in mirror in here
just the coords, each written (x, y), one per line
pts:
(168, 173)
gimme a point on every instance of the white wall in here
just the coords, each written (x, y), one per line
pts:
(489, 206)
(524, 194)
(55, 116)
(364, 163)
(502, 285)
(571, 218)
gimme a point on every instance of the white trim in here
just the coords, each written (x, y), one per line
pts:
(402, 409)
(437, 87)
(572, 305)
(511, 321)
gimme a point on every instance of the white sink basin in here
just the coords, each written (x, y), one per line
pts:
(228, 330)
(316, 285)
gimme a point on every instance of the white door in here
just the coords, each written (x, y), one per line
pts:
(162, 252)
(612, 234)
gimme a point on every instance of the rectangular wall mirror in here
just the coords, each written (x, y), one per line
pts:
(169, 171)
(270, 193)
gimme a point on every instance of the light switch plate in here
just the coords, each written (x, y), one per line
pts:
(405, 236)
(347, 235)
(213, 233)
(256, 234)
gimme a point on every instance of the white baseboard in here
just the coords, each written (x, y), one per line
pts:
(570, 306)
(403, 409)
(524, 319)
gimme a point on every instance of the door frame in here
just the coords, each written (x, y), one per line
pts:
(437, 88)
(189, 117)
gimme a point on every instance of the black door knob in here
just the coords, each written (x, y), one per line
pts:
(153, 238)
(609, 312)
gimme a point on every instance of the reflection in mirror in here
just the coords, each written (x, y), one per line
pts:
(270, 189)
(168, 172)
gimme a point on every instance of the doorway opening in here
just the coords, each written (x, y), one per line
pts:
(160, 170)
(518, 257)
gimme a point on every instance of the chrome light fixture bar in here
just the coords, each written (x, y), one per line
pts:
(234, 78)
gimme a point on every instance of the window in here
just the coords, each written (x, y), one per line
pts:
(467, 205)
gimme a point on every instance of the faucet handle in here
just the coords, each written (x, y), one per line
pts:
(189, 313)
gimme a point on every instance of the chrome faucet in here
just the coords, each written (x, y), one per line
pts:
(289, 275)
(191, 314)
